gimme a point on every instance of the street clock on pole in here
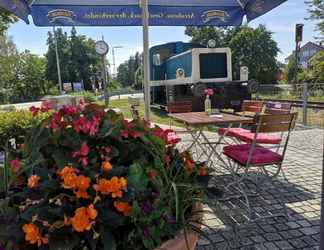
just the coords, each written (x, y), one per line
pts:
(101, 47)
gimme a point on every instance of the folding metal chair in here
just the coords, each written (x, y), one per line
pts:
(249, 108)
(245, 159)
(277, 108)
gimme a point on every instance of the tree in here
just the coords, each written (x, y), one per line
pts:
(64, 56)
(127, 72)
(291, 69)
(316, 10)
(5, 20)
(254, 48)
(315, 72)
(78, 59)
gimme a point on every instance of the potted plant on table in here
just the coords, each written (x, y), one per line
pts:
(90, 179)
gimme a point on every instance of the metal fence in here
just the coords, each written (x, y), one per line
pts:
(307, 99)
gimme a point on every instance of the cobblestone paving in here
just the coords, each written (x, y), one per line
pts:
(303, 168)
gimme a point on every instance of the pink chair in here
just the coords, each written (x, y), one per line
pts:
(252, 157)
(246, 135)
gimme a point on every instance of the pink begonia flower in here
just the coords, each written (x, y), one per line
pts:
(15, 165)
(82, 154)
(209, 92)
(34, 110)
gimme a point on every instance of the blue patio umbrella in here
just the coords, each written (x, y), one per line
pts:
(139, 13)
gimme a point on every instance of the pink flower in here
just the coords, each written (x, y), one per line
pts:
(135, 134)
(81, 124)
(209, 92)
(70, 109)
(168, 136)
(82, 154)
(128, 125)
(94, 125)
(15, 165)
(46, 106)
(34, 110)
(56, 122)
(124, 133)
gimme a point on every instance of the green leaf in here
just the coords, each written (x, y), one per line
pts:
(64, 242)
(137, 178)
(176, 197)
(108, 239)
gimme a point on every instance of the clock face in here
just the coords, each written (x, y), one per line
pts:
(101, 47)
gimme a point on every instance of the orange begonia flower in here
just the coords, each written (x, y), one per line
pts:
(115, 186)
(123, 207)
(65, 171)
(70, 180)
(33, 181)
(83, 218)
(82, 182)
(81, 185)
(106, 166)
(33, 236)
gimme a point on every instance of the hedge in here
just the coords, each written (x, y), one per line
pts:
(15, 124)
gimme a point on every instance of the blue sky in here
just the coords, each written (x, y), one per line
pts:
(281, 21)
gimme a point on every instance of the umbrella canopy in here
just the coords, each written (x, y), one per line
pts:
(128, 12)
(141, 13)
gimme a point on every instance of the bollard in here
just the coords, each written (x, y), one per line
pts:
(305, 97)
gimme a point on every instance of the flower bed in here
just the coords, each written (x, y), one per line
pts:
(89, 179)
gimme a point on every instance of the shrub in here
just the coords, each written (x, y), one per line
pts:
(89, 179)
(15, 124)
(88, 96)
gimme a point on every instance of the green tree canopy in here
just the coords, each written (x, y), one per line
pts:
(22, 76)
(316, 10)
(130, 69)
(5, 20)
(254, 48)
(78, 59)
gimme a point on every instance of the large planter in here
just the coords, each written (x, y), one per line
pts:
(182, 241)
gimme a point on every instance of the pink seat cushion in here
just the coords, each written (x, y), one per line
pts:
(232, 131)
(247, 136)
(260, 155)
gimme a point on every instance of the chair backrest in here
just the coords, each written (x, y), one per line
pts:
(252, 106)
(269, 123)
(277, 108)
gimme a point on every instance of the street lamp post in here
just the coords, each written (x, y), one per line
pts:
(114, 59)
(58, 62)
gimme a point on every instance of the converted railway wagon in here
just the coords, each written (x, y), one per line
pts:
(180, 72)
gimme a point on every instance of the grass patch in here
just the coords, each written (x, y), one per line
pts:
(157, 115)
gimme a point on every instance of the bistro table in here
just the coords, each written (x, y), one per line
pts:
(196, 122)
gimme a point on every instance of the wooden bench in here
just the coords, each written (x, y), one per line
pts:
(179, 107)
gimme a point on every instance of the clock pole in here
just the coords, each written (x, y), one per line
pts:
(102, 49)
(105, 79)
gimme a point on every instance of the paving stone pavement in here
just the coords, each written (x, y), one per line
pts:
(301, 196)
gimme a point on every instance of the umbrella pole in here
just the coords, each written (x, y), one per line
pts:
(146, 66)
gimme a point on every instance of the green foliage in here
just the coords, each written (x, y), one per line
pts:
(5, 20)
(290, 70)
(254, 48)
(22, 75)
(88, 96)
(159, 184)
(77, 55)
(316, 10)
(315, 73)
(127, 70)
(16, 124)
